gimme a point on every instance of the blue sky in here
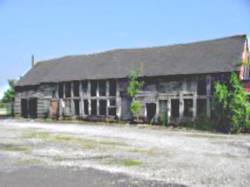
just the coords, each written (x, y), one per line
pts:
(53, 28)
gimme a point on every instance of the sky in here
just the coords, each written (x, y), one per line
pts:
(55, 28)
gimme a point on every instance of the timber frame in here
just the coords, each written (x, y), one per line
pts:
(178, 82)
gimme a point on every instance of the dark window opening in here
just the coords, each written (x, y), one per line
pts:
(112, 111)
(112, 88)
(175, 112)
(202, 87)
(86, 107)
(102, 88)
(151, 110)
(77, 107)
(103, 107)
(93, 88)
(93, 107)
(112, 102)
(76, 88)
(53, 94)
(24, 108)
(67, 89)
(84, 87)
(60, 90)
(201, 107)
(33, 107)
(188, 107)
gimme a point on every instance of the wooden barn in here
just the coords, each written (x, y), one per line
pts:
(177, 81)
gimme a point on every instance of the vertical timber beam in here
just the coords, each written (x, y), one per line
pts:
(89, 96)
(209, 86)
(118, 100)
(195, 99)
(169, 109)
(81, 99)
(72, 104)
(97, 99)
(107, 95)
(157, 112)
(181, 106)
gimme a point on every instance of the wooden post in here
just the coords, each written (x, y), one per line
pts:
(181, 106)
(118, 100)
(72, 105)
(89, 96)
(97, 99)
(209, 82)
(107, 95)
(157, 112)
(81, 99)
(194, 85)
(169, 109)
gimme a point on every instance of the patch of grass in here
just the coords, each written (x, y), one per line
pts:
(150, 152)
(59, 158)
(68, 139)
(15, 148)
(125, 162)
(29, 162)
(36, 134)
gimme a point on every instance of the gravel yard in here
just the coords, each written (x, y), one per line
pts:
(184, 157)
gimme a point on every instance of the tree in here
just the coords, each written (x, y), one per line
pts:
(232, 106)
(133, 87)
(9, 94)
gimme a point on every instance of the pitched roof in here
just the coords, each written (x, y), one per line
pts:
(219, 55)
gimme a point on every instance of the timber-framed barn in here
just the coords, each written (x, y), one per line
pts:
(177, 81)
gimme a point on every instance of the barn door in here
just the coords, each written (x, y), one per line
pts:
(24, 108)
(33, 107)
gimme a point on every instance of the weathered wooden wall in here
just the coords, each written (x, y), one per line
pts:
(155, 90)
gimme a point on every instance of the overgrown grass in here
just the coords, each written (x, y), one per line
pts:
(128, 162)
(15, 148)
(68, 139)
(29, 162)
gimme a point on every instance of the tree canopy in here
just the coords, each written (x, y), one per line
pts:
(9, 94)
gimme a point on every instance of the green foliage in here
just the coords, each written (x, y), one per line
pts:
(135, 108)
(163, 120)
(9, 94)
(204, 123)
(133, 87)
(232, 107)
(134, 84)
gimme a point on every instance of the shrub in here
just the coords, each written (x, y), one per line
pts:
(232, 106)
(135, 108)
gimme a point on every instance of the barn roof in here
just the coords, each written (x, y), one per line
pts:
(213, 56)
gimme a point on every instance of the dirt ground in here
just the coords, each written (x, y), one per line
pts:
(169, 156)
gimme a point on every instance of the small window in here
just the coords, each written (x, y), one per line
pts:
(86, 107)
(60, 90)
(112, 111)
(67, 89)
(103, 107)
(188, 107)
(112, 88)
(112, 102)
(175, 105)
(201, 107)
(53, 94)
(93, 107)
(84, 87)
(102, 88)
(93, 88)
(76, 88)
(77, 107)
(202, 86)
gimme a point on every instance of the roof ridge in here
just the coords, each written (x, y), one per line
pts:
(143, 48)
